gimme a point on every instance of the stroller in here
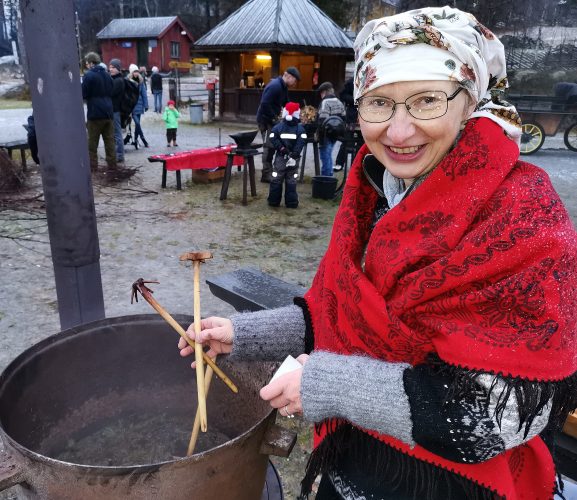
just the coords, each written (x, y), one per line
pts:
(126, 123)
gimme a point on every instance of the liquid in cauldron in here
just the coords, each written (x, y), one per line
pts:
(135, 438)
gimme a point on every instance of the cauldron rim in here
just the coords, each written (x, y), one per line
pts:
(36, 349)
(122, 469)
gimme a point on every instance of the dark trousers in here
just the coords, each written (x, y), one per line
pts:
(287, 175)
(104, 128)
(171, 135)
(138, 129)
(267, 152)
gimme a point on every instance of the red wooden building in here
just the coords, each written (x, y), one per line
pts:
(146, 41)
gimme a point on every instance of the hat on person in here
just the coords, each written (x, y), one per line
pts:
(291, 70)
(154, 69)
(92, 57)
(325, 86)
(132, 68)
(437, 43)
(116, 63)
(170, 102)
(291, 110)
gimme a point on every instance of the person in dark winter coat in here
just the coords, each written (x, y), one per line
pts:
(141, 105)
(114, 68)
(156, 88)
(274, 97)
(31, 136)
(97, 92)
(347, 98)
(288, 139)
(329, 106)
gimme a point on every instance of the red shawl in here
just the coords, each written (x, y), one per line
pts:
(477, 265)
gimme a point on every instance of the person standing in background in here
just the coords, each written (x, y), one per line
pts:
(144, 74)
(141, 106)
(97, 92)
(170, 117)
(330, 106)
(115, 70)
(274, 97)
(347, 98)
(156, 88)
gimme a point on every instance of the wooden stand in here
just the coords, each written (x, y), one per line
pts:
(248, 171)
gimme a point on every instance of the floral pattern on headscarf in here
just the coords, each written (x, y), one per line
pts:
(437, 43)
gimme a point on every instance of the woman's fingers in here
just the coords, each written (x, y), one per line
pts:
(213, 328)
(211, 353)
(303, 358)
(284, 392)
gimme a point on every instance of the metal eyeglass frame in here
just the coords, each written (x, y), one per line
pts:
(449, 98)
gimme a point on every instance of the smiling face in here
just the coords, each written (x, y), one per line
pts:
(409, 147)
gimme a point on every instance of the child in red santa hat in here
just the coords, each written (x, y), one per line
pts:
(288, 138)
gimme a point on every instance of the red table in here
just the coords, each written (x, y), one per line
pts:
(197, 159)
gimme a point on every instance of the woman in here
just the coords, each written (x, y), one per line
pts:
(141, 105)
(439, 330)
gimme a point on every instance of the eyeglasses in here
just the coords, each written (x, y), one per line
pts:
(422, 106)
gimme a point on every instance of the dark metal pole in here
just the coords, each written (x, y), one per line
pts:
(49, 35)
(211, 102)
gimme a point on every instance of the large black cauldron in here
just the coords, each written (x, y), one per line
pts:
(105, 410)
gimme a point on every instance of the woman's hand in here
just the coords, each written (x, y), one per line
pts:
(285, 392)
(216, 332)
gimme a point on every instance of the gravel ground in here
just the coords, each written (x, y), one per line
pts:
(143, 229)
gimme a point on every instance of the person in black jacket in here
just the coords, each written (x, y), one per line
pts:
(156, 88)
(274, 97)
(288, 139)
(114, 69)
(347, 98)
(97, 92)
(31, 136)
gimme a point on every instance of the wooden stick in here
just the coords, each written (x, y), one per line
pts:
(196, 426)
(146, 293)
(198, 352)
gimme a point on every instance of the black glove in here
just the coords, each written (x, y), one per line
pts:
(295, 156)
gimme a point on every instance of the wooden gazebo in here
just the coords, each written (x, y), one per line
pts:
(264, 37)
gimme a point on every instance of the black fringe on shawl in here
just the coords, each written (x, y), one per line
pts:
(378, 459)
(309, 336)
(532, 395)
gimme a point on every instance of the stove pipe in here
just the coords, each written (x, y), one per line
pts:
(51, 46)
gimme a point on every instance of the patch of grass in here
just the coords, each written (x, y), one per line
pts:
(14, 104)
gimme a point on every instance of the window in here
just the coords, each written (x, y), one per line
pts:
(175, 50)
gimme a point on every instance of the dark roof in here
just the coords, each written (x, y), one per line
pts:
(276, 24)
(137, 27)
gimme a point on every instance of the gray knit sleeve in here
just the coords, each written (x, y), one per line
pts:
(269, 335)
(367, 392)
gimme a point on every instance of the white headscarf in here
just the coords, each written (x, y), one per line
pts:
(437, 43)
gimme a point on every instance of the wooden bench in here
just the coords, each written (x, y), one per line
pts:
(21, 145)
(249, 289)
